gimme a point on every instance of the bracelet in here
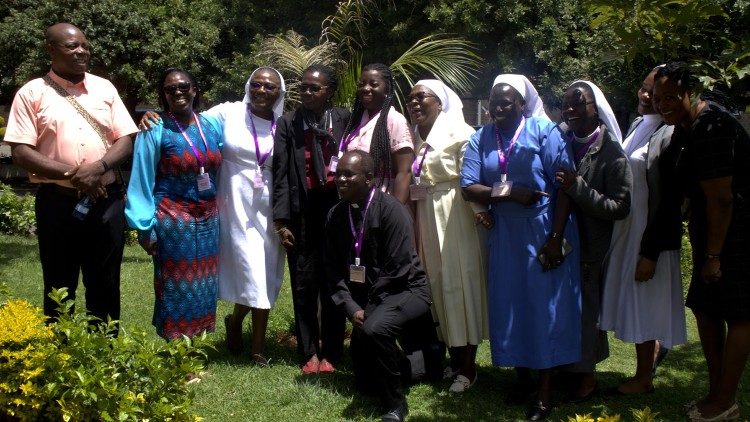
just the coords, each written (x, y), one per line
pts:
(105, 165)
(554, 235)
(712, 256)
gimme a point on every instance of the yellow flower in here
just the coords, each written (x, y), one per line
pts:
(21, 322)
(606, 418)
(581, 418)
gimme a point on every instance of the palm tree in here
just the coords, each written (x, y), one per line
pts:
(450, 59)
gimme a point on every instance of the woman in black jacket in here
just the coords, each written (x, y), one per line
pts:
(303, 193)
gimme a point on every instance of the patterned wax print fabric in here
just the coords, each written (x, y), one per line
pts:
(164, 204)
(534, 316)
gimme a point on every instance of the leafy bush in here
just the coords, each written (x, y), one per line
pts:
(77, 369)
(16, 212)
(645, 415)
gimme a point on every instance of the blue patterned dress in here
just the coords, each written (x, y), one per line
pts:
(164, 204)
(534, 316)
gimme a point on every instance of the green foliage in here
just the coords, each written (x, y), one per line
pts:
(132, 41)
(289, 54)
(713, 34)
(16, 212)
(76, 369)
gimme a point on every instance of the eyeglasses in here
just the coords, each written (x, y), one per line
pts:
(182, 87)
(578, 105)
(257, 85)
(311, 88)
(419, 97)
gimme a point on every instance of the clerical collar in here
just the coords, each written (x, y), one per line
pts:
(586, 138)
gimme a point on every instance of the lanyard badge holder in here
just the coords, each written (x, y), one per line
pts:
(418, 191)
(503, 187)
(259, 182)
(357, 272)
(334, 163)
(203, 180)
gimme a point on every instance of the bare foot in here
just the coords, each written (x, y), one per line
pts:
(634, 386)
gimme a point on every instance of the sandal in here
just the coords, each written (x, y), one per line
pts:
(732, 413)
(461, 384)
(260, 360)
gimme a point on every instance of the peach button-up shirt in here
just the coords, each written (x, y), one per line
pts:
(40, 117)
(398, 131)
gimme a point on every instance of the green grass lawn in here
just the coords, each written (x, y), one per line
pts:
(235, 390)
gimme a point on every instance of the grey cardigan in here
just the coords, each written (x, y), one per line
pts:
(600, 194)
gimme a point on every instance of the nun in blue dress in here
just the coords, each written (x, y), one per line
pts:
(534, 301)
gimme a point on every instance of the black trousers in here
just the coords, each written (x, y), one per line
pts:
(376, 357)
(92, 247)
(309, 283)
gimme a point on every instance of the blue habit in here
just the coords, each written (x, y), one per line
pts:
(534, 316)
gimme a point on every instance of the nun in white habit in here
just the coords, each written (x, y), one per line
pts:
(452, 247)
(251, 260)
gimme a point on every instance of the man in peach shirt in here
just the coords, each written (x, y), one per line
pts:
(72, 160)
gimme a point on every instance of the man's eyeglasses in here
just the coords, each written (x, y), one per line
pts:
(258, 85)
(419, 97)
(182, 87)
(311, 88)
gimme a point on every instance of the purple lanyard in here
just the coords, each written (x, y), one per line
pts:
(504, 156)
(349, 138)
(417, 169)
(359, 235)
(264, 156)
(585, 148)
(201, 163)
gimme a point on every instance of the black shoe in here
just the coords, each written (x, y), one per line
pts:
(396, 415)
(538, 411)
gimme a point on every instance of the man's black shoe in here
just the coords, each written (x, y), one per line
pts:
(396, 415)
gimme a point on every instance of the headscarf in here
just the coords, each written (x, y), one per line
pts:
(606, 115)
(451, 113)
(278, 106)
(451, 104)
(534, 106)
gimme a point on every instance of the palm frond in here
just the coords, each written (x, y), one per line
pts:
(348, 78)
(346, 27)
(290, 55)
(452, 60)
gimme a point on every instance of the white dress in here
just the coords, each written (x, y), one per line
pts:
(641, 311)
(251, 259)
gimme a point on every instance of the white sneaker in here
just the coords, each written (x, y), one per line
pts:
(461, 384)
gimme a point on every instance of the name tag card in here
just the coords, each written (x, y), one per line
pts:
(333, 164)
(204, 182)
(501, 189)
(258, 182)
(357, 273)
(417, 192)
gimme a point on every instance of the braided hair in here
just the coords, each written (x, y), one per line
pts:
(380, 146)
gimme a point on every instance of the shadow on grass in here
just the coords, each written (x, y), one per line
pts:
(14, 248)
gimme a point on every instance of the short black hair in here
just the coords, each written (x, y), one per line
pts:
(679, 73)
(163, 97)
(332, 79)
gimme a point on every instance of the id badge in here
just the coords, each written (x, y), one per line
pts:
(204, 182)
(258, 182)
(501, 189)
(357, 273)
(333, 164)
(417, 192)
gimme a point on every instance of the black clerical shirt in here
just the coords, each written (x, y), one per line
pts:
(388, 254)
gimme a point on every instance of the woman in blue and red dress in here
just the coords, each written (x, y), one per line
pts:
(172, 204)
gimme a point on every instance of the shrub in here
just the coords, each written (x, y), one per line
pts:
(77, 369)
(16, 212)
